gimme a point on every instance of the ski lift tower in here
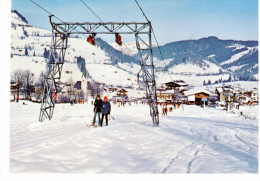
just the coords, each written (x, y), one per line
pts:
(60, 35)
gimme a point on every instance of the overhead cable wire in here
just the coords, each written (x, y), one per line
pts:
(142, 11)
(51, 13)
(101, 21)
(46, 11)
(127, 47)
(92, 11)
(96, 15)
(154, 38)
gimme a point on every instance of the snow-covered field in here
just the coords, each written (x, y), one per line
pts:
(195, 140)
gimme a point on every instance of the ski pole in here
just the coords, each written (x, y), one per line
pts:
(112, 117)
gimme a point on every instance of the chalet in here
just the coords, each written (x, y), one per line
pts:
(13, 88)
(197, 96)
(165, 95)
(161, 88)
(243, 99)
(13, 85)
(122, 92)
(253, 94)
(226, 92)
(177, 84)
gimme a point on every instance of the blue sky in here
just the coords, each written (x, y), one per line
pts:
(172, 20)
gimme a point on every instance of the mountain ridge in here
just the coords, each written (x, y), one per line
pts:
(190, 60)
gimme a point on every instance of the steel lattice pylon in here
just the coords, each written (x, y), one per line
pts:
(60, 35)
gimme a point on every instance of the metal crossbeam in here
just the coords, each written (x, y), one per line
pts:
(103, 27)
(60, 35)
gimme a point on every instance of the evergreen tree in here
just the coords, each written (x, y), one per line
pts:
(46, 53)
(229, 79)
(26, 52)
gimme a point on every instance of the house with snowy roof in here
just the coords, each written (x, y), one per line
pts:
(164, 95)
(197, 96)
(244, 99)
(122, 92)
(225, 92)
(253, 94)
(177, 84)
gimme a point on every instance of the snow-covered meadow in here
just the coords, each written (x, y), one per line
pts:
(195, 140)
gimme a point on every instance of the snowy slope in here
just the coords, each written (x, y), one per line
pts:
(35, 40)
(195, 140)
(203, 69)
(129, 48)
(185, 65)
(250, 50)
(187, 68)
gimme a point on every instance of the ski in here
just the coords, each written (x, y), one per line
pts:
(89, 125)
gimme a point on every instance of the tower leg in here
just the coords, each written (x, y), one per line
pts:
(146, 62)
(55, 63)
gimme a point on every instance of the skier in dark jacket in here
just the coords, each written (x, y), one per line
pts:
(105, 111)
(97, 109)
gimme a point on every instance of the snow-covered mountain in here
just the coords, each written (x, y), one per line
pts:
(206, 57)
(240, 58)
(194, 61)
(103, 63)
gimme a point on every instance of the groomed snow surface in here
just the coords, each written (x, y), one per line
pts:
(195, 140)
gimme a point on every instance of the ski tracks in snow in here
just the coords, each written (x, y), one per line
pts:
(195, 147)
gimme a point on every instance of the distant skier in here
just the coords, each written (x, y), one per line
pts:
(165, 110)
(97, 109)
(106, 108)
(72, 102)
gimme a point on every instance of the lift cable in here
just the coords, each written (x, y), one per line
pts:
(110, 30)
(127, 47)
(155, 39)
(46, 11)
(91, 11)
(96, 15)
(51, 14)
